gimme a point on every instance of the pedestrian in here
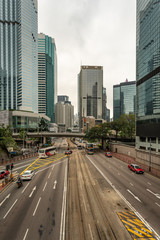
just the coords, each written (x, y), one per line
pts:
(2, 161)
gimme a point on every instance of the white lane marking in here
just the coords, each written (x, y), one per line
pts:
(26, 234)
(44, 186)
(134, 195)
(131, 184)
(37, 206)
(125, 200)
(32, 191)
(157, 204)
(25, 187)
(5, 199)
(90, 231)
(10, 208)
(55, 183)
(149, 183)
(49, 175)
(155, 194)
(63, 213)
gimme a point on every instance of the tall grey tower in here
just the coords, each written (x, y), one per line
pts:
(18, 55)
(90, 92)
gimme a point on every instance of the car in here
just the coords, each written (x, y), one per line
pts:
(79, 147)
(3, 173)
(108, 154)
(135, 168)
(67, 152)
(27, 175)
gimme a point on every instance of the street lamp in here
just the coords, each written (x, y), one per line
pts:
(150, 156)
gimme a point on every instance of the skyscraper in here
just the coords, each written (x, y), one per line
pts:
(90, 92)
(124, 95)
(63, 98)
(18, 55)
(148, 75)
(47, 76)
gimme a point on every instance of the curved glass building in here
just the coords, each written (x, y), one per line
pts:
(148, 75)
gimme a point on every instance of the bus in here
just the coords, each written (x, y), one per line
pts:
(46, 152)
(89, 146)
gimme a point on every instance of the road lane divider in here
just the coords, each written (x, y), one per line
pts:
(10, 209)
(26, 234)
(63, 213)
(155, 194)
(55, 183)
(36, 206)
(133, 195)
(5, 199)
(49, 175)
(25, 187)
(44, 186)
(32, 191)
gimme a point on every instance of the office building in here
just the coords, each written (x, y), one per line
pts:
(90, 92)
(63, 98)
(148, 76)
(64, 115)
(124, 95)
(18, 55)
(104, 104)
(47, 76)
(108, 115)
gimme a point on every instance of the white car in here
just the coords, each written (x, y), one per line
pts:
(27, 175)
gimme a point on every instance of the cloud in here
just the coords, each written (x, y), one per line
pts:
(91, 32)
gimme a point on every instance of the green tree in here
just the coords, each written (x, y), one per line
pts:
(43, 125)
(6, 139)
(23, 135)
(127, 122)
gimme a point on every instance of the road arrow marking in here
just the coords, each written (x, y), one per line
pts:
(134, 195)
(155, 194)
(55, 183)
(32, 191)
(5, 199)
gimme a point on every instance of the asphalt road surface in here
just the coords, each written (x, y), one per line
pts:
(36, 210)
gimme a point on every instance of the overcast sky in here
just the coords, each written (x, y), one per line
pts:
(91, 32)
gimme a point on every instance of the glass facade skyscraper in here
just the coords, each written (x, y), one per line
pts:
(18, 55)
(90, 92)
(124, 95)
(148, 74)
(47, 76)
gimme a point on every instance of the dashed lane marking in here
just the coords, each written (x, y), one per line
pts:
(136, 228)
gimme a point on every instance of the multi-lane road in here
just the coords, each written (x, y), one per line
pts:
(140, 192)
(38, 210)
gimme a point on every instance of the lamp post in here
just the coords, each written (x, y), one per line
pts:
(150, 156)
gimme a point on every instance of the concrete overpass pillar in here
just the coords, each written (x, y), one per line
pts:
(44, 140)
(104, 144)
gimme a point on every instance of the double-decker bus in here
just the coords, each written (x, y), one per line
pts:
(46, 152)
(89, 148)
